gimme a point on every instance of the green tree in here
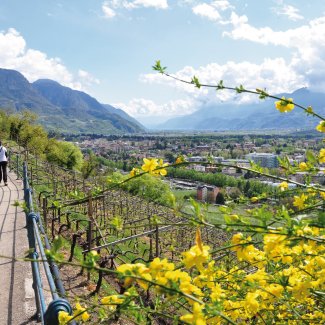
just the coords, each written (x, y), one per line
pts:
(64, 154)
(90, 165)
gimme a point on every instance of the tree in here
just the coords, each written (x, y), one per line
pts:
(89, 166)
(220, 199)
(64, 154)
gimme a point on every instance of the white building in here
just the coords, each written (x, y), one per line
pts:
(268, 160)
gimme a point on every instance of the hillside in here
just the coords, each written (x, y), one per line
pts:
(256, 116)
(61, 108)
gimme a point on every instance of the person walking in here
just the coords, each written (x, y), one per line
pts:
(3, 164)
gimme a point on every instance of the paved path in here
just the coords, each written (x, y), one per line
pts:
(17, 303)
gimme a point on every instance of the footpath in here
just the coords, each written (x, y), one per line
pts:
(17, 302)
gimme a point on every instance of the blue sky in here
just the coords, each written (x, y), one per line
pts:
(107, 48)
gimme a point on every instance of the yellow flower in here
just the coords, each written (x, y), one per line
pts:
(299, 201)
(217, 292)
(321, 126)
(179, 160)
(162, 171)
(81, 312)
(158, 267)
(254, 199)
(303, 166)
(137, 269)
(322, 156)
(64, 317)
(275, 289)
(251, 304)
(149, 165)
(283, 186)
(237, 238)
(322, 194)
(197, 317)
(273, 241)
(85, 316)
(284, 105)
(112, 301)
(134, 171)
(178, 275)
(190, 289)
(196, 256)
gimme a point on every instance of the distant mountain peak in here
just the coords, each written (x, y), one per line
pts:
(46, 82)
(253, 116)
(301, 91)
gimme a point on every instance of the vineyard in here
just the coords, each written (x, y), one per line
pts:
(121, 227)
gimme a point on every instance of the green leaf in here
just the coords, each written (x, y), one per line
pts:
(240, 89)
(321, 219)
(220, 85)
(158, 67)
(311, 157)
(57, 244)
(262, 92)
(196, 82)
(117, 223)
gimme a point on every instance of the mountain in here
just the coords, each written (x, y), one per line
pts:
(123, 114)
(16, 93)
(76, 103)
(255, 116)
(61, 108)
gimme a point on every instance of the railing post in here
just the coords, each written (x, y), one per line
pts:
(51, 316)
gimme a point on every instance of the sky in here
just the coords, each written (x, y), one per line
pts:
(107, 48)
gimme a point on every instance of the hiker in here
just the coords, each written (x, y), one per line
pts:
(3, 164)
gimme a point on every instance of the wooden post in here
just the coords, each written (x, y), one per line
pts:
(45, 212)
(150, 241)
(90, 228)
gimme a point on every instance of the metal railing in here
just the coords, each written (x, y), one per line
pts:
(47, 315)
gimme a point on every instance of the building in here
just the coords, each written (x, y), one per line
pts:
(268, 160)
(195, 159)
(207, 193)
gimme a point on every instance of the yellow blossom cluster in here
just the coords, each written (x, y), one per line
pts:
(284, 105)
(80, 314)
(152, 166)
(282, 271)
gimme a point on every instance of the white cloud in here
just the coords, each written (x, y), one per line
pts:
(307, 43)
(212, 10)
(108, 11)
(87, 79)
(206, 10)
(158, 4)
(222, 5)
(276, 75)
(140, 107)
(289, 11)
(109, 7)
(34, 64)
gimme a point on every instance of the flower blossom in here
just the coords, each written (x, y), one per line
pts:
(284, 105)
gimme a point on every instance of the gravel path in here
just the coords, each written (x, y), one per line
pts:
(17, 302)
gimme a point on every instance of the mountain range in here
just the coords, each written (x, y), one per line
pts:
(66, 110)
(254, 116)
(62, 108)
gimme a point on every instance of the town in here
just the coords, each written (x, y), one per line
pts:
(233, 151)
